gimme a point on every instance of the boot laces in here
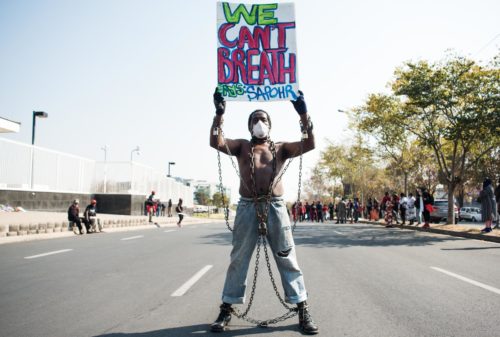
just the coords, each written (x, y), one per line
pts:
(306, 316)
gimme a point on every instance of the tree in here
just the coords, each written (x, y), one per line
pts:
(218, 200)
(202, 197)
(451, 107)
(344, 164)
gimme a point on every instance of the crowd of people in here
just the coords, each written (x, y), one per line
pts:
(401, 208)
(154, 207)
(394, 208)
(343, 210)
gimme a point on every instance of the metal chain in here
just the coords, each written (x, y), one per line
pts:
(262, 217)
(291, 311)
(224, 205)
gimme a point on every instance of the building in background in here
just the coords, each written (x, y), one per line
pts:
(209, 188)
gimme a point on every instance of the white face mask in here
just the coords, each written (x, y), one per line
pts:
(260, 130)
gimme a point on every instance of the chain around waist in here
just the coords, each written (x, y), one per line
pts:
(260, 199)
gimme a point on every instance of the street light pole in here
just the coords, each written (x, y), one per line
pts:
(137, 149)
(132, 168)
(105, 180)
(36, 114)
(170, 163)
(105, 149)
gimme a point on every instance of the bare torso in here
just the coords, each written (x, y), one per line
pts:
(262, 155)
(263, 158)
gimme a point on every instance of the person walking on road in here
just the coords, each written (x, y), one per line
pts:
(179, 209)
(259, 161)
(150, 204)
(488, 205)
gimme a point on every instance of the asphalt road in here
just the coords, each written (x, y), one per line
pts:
(362, 280)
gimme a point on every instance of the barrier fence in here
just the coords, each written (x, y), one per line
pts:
(32, 168)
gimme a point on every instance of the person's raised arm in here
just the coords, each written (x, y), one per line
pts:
(217, 141)
(293, 149)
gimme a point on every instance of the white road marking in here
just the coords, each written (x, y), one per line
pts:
(49, 253)
(339, 233)
(465, 279)
(185, 287)
(170, 230)
(133, 237)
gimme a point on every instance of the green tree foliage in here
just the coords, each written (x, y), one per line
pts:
(202, 197)
(343, 165)
(450, 107)
(218, 200)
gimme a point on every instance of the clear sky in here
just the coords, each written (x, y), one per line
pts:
(126, 73)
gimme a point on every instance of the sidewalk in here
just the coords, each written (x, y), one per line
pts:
(29, 226)
(463, 231)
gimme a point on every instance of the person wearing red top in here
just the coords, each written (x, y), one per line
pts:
(384, 201)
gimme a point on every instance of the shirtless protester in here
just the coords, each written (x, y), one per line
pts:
(260, 160)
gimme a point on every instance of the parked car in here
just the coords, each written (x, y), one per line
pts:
(470, 213)
(441, 211)
(200, 209)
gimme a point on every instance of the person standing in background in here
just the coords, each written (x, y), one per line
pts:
(497, 196)
(419, 205)
(428, 201)
(319, 211)
(403, 205)
(169, 208)
(411, 210)
(488, 205)
(331, 208)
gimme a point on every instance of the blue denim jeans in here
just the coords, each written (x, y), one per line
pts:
(279, 236)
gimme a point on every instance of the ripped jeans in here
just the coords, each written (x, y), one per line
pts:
(279, 236)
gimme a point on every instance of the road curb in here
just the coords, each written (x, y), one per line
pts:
(483, 237)
(15, 234)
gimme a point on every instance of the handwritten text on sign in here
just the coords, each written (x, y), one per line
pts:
(256, 55)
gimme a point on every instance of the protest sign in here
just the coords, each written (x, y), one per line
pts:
(257, 53)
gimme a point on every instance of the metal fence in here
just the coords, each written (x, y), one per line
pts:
(135, 178)
(27, 167)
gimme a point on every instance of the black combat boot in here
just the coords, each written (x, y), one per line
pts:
(306, 323)
(223, 319)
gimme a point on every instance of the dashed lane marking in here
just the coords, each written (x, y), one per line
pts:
(49, 253)
(133, 237)
(169, 230)
(189, 283)
(465, 279)
(339, 233)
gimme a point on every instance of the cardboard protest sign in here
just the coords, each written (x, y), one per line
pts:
(257, 52)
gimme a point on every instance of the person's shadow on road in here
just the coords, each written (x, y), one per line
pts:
(203, 330)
